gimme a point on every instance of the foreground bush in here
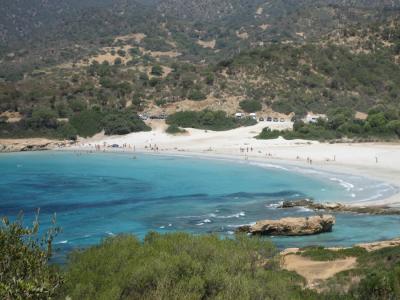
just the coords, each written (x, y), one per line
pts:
(24, 269)
(180, 266)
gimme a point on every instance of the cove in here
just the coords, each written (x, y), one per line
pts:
(99, 195)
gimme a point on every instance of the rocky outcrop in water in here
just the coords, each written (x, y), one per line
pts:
(291, 226)
(339, 207)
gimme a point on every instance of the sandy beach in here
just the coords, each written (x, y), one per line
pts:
(379, 161)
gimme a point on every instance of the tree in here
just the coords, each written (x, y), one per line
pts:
(43, 117)
(118, 61)
(121, 52)
(377, 121)
(157, 70)
(196, 95)
(394, 126)
(250, 106)
(24, 269)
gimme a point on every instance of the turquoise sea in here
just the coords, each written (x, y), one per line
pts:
(100, 195)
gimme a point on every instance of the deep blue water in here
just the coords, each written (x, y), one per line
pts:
(99, 195)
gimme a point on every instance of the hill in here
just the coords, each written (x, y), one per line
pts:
(165, 56)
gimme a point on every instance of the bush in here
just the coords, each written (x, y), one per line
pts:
(87, 123)
(322, 254)
(67, 131)
(267, 134)
(250, 106)
(157, 70)
(180, 266)
(207, 119)
(24, 269)
(173, 129)
(43, 117)
(118, 61)
(196, 95)
(123, 123)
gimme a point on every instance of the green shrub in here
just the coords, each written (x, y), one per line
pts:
(24, 269)
(180, 266)
(157, 70)
(173, 129)
(123, 122)
(67, 131)
(87, 123)
(250, 106)
(322, 254)
(207, 119)
(196, 95)
(42, 117)
(267, 134)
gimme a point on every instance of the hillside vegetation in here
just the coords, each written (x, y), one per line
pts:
(161, 57)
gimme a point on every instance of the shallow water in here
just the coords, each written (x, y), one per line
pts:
(99, 195)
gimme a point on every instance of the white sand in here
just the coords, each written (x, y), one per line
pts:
(374, 160)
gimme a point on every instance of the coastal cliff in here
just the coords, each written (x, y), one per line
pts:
(291, 226)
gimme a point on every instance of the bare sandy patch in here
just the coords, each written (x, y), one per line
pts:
(207, 44)
(379, 245)
(264, 26)
(137, 37)
(12, 117)
(259, 11)
(302, 34)
(242, 34)
(360, 115)
(166, 71)
(316, 271)
(171, 54)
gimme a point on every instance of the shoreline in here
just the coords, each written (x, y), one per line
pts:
(294, 166)
(372, 161)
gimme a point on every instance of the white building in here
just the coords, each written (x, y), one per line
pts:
(313, 118)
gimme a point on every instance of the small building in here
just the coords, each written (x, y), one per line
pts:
(313, 118)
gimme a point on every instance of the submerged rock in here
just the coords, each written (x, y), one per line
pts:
(291, 226)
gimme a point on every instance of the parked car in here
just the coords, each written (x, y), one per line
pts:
(276, 120)
(282, 120)
(143, 117)
(269, 119)
(115, 146)
(239, 115)
(261, 119)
